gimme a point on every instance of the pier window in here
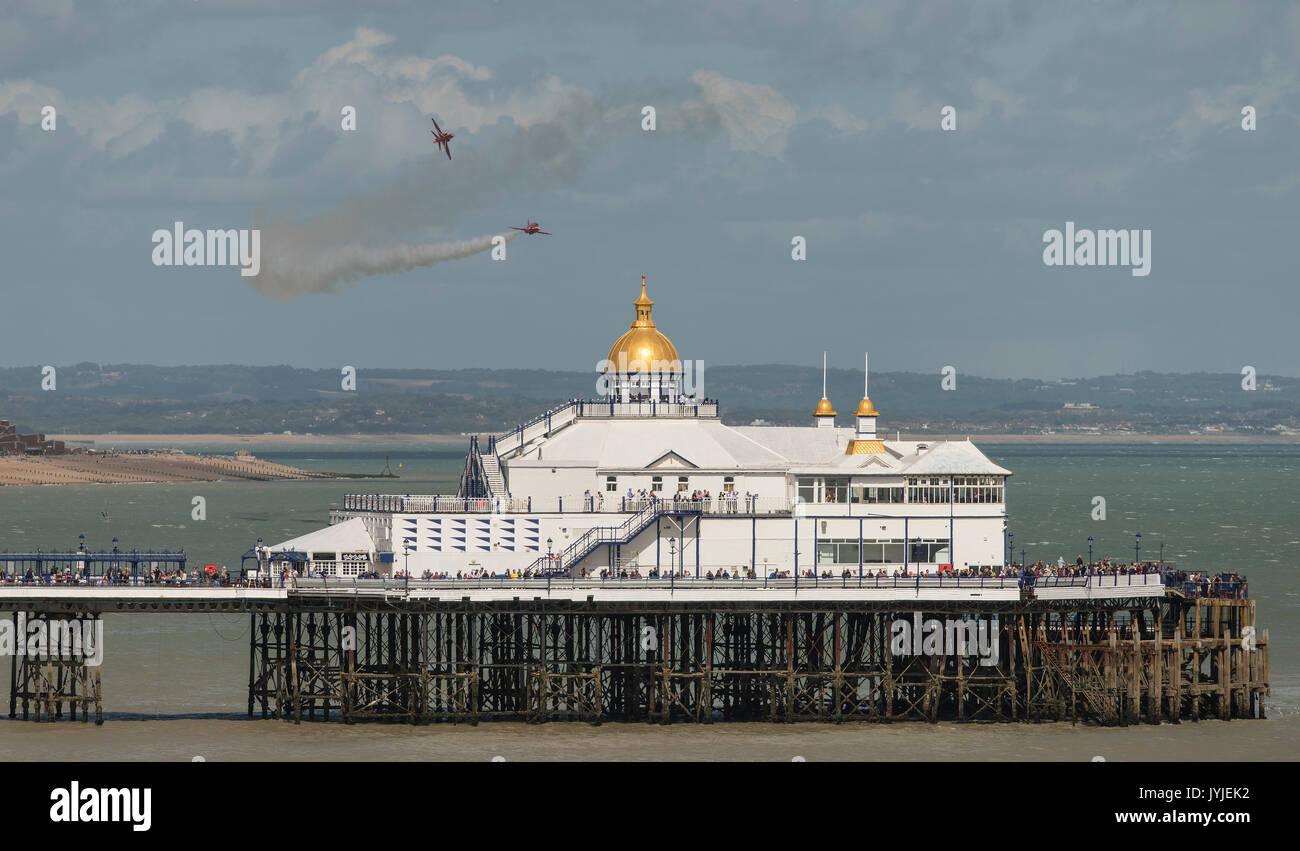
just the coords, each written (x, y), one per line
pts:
(927, 489)
(656, 483)
(836, 490)
(728, 484)
(683, 484)
(807, 490)
(874, 550)
(354, 564)
(929, 551)
(823, 490)
(611, 483)
(837, 551)
(882, 551)
(871, 494)
(977, 489)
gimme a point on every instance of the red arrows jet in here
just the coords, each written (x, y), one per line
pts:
(531, 227)
(441, 139)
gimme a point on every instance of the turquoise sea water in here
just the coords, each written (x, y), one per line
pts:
(177, 683)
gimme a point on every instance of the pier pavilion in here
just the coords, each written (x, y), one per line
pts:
(648, 479)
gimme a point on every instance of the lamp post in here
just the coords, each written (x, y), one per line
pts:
(1137, 547)
(1011, 547)
(1090, 553)
(550, 563)
(406, 566)
(672, 561)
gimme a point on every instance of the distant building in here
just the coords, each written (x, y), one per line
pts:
(13, 443)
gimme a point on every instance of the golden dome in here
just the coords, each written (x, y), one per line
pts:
(866, 409)
(865, 447)
(643, 347)
(824, 408)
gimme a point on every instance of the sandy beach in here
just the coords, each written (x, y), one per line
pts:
(140, 467)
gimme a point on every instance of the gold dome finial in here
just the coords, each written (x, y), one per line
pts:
(643, 308)
(865, 408)
(643, 345)
(824, 408)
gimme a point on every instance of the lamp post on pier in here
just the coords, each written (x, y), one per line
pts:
(1090, 553)
(672, 561)
(1137, 547)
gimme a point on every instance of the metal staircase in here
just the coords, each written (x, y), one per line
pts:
(1081, 676)
(482, 477)
(600, 536)
(496, 480)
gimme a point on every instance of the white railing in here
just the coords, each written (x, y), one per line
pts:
(605, 409)
(433, 504)
(558, 417)
(599, 503)
(664, 582)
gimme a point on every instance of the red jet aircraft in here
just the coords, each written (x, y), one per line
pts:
(441, 139)
(531, 227)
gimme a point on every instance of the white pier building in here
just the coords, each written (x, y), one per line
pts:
(609, 485)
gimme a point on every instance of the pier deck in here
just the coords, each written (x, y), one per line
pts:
(1108, 650)
(126, 597)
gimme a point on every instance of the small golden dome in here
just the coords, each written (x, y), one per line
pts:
(643, 348)
(824, 408)
(865, 447)
(866, 409)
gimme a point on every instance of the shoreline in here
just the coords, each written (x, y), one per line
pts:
(162, 441)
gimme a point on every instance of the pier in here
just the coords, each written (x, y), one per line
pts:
(1113, 649)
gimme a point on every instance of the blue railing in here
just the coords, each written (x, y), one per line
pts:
(1229, 586)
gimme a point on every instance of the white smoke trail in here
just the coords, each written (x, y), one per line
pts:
(294, 265)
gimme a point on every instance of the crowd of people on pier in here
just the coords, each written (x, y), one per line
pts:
(726, 502)
(1190, 583)
(157, 576)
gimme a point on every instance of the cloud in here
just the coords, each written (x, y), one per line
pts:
(393, 95)
(755, 117)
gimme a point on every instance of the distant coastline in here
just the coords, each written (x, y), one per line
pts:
(283, 441)
(456, 441)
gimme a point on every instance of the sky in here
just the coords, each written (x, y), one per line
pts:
(774, 119)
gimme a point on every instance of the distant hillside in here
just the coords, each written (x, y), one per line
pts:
(196, 399)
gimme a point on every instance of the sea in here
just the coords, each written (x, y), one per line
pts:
(175, 685)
